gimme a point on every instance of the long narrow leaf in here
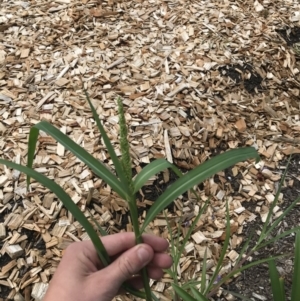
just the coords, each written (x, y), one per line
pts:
(189, 283)
(284, 234)
(183, 294)
(264, 232)
(196, 176)
(244, 248)
(243, 268)
(69, 204)
(191, 228)
(277, 290)
(152, 169)
(110, 149)
(102, 232)
(283, 215)
(238, 295)
(296, 275)
(33, 136)
(171, 271)
(96, 166)
(197, 294)
(223, 252)
(203, 274)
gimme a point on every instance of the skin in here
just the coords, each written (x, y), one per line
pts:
(81, 276)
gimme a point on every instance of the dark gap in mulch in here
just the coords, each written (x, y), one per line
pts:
(4, 259)
(7, 211)
(239, 74)
(290, 35)
(230, 178)
(4, 291)
(35, 239)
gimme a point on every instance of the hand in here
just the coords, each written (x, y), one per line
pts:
(81, 275)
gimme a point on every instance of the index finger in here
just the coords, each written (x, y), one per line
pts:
(120, 242)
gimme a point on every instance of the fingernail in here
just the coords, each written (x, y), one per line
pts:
(143, 254)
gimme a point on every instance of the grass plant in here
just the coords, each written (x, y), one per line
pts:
(123, 184)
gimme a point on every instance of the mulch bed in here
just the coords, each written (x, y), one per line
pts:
(196, 79)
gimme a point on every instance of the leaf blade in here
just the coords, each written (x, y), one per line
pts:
(32, 140)
(196, 176)
(182, 293)
(277, 289)
(96, 166)
(152, 169)
(110, 149)
(296, 274)
(63, 196)
(223, 252)
(68, 203)
(198, 295)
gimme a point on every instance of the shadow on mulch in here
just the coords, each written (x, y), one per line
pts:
(290, 35)
(240, 75)
(256, 279)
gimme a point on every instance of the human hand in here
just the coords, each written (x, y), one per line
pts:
(81, 275)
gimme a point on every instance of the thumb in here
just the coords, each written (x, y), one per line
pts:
(129, 263)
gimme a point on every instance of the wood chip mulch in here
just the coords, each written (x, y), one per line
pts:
(196, 78)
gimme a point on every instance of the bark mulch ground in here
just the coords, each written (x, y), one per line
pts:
(196, 77)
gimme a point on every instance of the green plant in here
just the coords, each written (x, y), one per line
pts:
(277, 282)
(208, 287)
(122, 182)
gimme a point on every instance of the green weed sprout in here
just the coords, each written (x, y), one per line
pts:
(122, 182)
(277, 282)
(208, 287)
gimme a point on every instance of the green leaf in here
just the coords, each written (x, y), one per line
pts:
(172, 271)
(196, 176)
(124, 172)
(243, 268)
(281, 217)
(203, 274)
(296, 274)
(187, 285)
(33, 136)
(277, 288)
(96, 166)
(102, 232)
(245, 247)
(237, 295)
(284, 234)
(198, 295)
(110, 149)
(69, 204)
(189, 233)
(223, 252)
(265, 231)
(182, 293)
(152, 169)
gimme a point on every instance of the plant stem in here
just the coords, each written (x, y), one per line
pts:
(139, 240)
